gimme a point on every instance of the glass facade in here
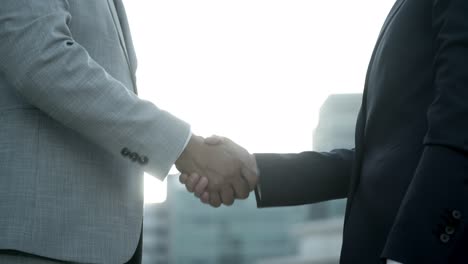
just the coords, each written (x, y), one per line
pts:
(184, 231)
(335, 129)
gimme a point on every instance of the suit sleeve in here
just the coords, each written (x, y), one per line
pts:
(308, 177)
(430, 226)
(40, 58)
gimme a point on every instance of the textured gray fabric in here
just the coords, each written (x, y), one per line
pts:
(67, 109)
(8, 258)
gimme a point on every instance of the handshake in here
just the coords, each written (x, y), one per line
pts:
(217, 170)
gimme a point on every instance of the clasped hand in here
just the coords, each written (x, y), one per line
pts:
(217, 170)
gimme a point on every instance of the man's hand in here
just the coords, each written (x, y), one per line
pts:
(248, 169)
(223, 169)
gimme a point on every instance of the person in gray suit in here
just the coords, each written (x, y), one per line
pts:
(75, 138)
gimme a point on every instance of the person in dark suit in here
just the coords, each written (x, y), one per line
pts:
(407, 178)
(75, 138)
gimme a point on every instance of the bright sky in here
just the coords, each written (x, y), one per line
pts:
(256, 71)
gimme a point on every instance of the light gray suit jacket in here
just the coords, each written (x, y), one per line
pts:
(74, 137)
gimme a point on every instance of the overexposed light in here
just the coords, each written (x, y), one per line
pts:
(256, 71)
(155, 190)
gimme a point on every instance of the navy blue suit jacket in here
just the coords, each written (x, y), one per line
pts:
(407, 178)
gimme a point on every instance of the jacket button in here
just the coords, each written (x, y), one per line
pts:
(125, 152)
(449, 230)
(444, 238)
(143, 160)
(456, 214)
(134, 156)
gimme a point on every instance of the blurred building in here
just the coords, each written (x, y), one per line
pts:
(335, 130)
(337, 122)
(184, 231)
(156, 229)
(319, 242)
(320, 238)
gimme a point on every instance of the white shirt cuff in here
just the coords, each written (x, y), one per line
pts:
(189, 136)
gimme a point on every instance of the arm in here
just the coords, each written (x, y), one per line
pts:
(308, 177)
(283, 179)
(55, 74)
(432, 216)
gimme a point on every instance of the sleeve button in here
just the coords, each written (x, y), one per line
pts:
(444, 238)
(125, 152)
(449, 230)
(143, 160)
(456, 214)
(134, 156)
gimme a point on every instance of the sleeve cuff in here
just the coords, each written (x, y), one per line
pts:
(431, 224)
(165, 142)
(189, 136)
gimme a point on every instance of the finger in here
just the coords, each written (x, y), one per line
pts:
(201, 186)
(227, 195)
(215, 200)
(183, 178)
(241, 189)
(205, 198)
(192, 182)
(214, 140)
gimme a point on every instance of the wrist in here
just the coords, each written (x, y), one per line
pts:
(194, 143)
(188, 153)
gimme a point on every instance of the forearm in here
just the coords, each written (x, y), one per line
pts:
(308, 177)
(54, 73)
